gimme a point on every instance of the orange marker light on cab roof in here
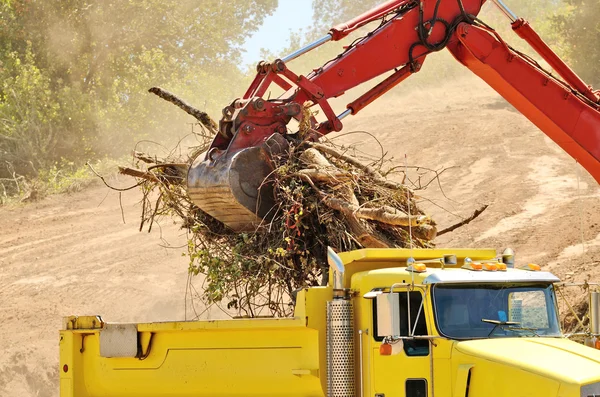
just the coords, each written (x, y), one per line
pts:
(385, 349)
(531, 267)
(417, 268)
(472, 266)
(490, 267)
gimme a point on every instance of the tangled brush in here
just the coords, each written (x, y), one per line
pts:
(325, 197)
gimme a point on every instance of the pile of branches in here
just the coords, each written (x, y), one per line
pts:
(325, 197)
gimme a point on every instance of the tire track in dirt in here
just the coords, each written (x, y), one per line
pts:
(67, 255)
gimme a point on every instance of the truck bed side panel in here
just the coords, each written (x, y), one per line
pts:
(198, 362)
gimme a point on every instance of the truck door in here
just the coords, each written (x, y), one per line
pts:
(406, 373)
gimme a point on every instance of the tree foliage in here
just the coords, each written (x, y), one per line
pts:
(328, 13)
(74, 73)
(579, 28)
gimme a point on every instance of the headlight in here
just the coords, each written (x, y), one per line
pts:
(591, 390)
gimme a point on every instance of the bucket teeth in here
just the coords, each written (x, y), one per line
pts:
(231, 187)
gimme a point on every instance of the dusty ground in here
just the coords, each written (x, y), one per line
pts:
(72, 254)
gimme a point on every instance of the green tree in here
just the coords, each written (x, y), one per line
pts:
(329, 13)
(75, 72)
(579, 28)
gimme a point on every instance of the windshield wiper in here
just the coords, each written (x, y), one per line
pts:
(498, 324)
(532, 330)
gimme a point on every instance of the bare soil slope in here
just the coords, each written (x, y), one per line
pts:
(72, 254)
(541, 202)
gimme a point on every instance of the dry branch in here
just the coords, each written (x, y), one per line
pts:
(145, 158)
(149, 176)
(365, 237)
(334, 177)
(464, 221)
(364, 234)
(314, 159)
(370, 171)
(426, 232)
(199, 115)
(384, 214)
(350, 160)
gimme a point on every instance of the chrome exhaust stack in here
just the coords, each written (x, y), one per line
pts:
(340, 334)
(340, 349)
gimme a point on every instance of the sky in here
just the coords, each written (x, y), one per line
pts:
(275, 32)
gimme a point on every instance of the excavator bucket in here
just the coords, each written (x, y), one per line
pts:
(233, 187)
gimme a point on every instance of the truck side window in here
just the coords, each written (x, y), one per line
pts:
(419, 347)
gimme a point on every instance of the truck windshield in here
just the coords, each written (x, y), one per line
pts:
(468, 311)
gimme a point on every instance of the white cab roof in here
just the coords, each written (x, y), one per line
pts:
(510, 275)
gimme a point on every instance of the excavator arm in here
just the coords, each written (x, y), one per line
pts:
(566, 110)
(228, 183)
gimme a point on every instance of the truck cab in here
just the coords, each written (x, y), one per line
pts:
(390, 322)
(475, 328)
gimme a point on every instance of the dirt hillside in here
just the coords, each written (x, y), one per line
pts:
(72, 254)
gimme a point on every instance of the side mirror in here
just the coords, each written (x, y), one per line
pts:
(388, 314)
(508, 257)
(336, 265)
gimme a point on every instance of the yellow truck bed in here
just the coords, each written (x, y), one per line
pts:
(334, 347)
(197, 358)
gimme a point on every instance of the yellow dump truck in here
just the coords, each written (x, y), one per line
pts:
(391, 322)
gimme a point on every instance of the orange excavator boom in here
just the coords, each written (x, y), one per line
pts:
(229, 184)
